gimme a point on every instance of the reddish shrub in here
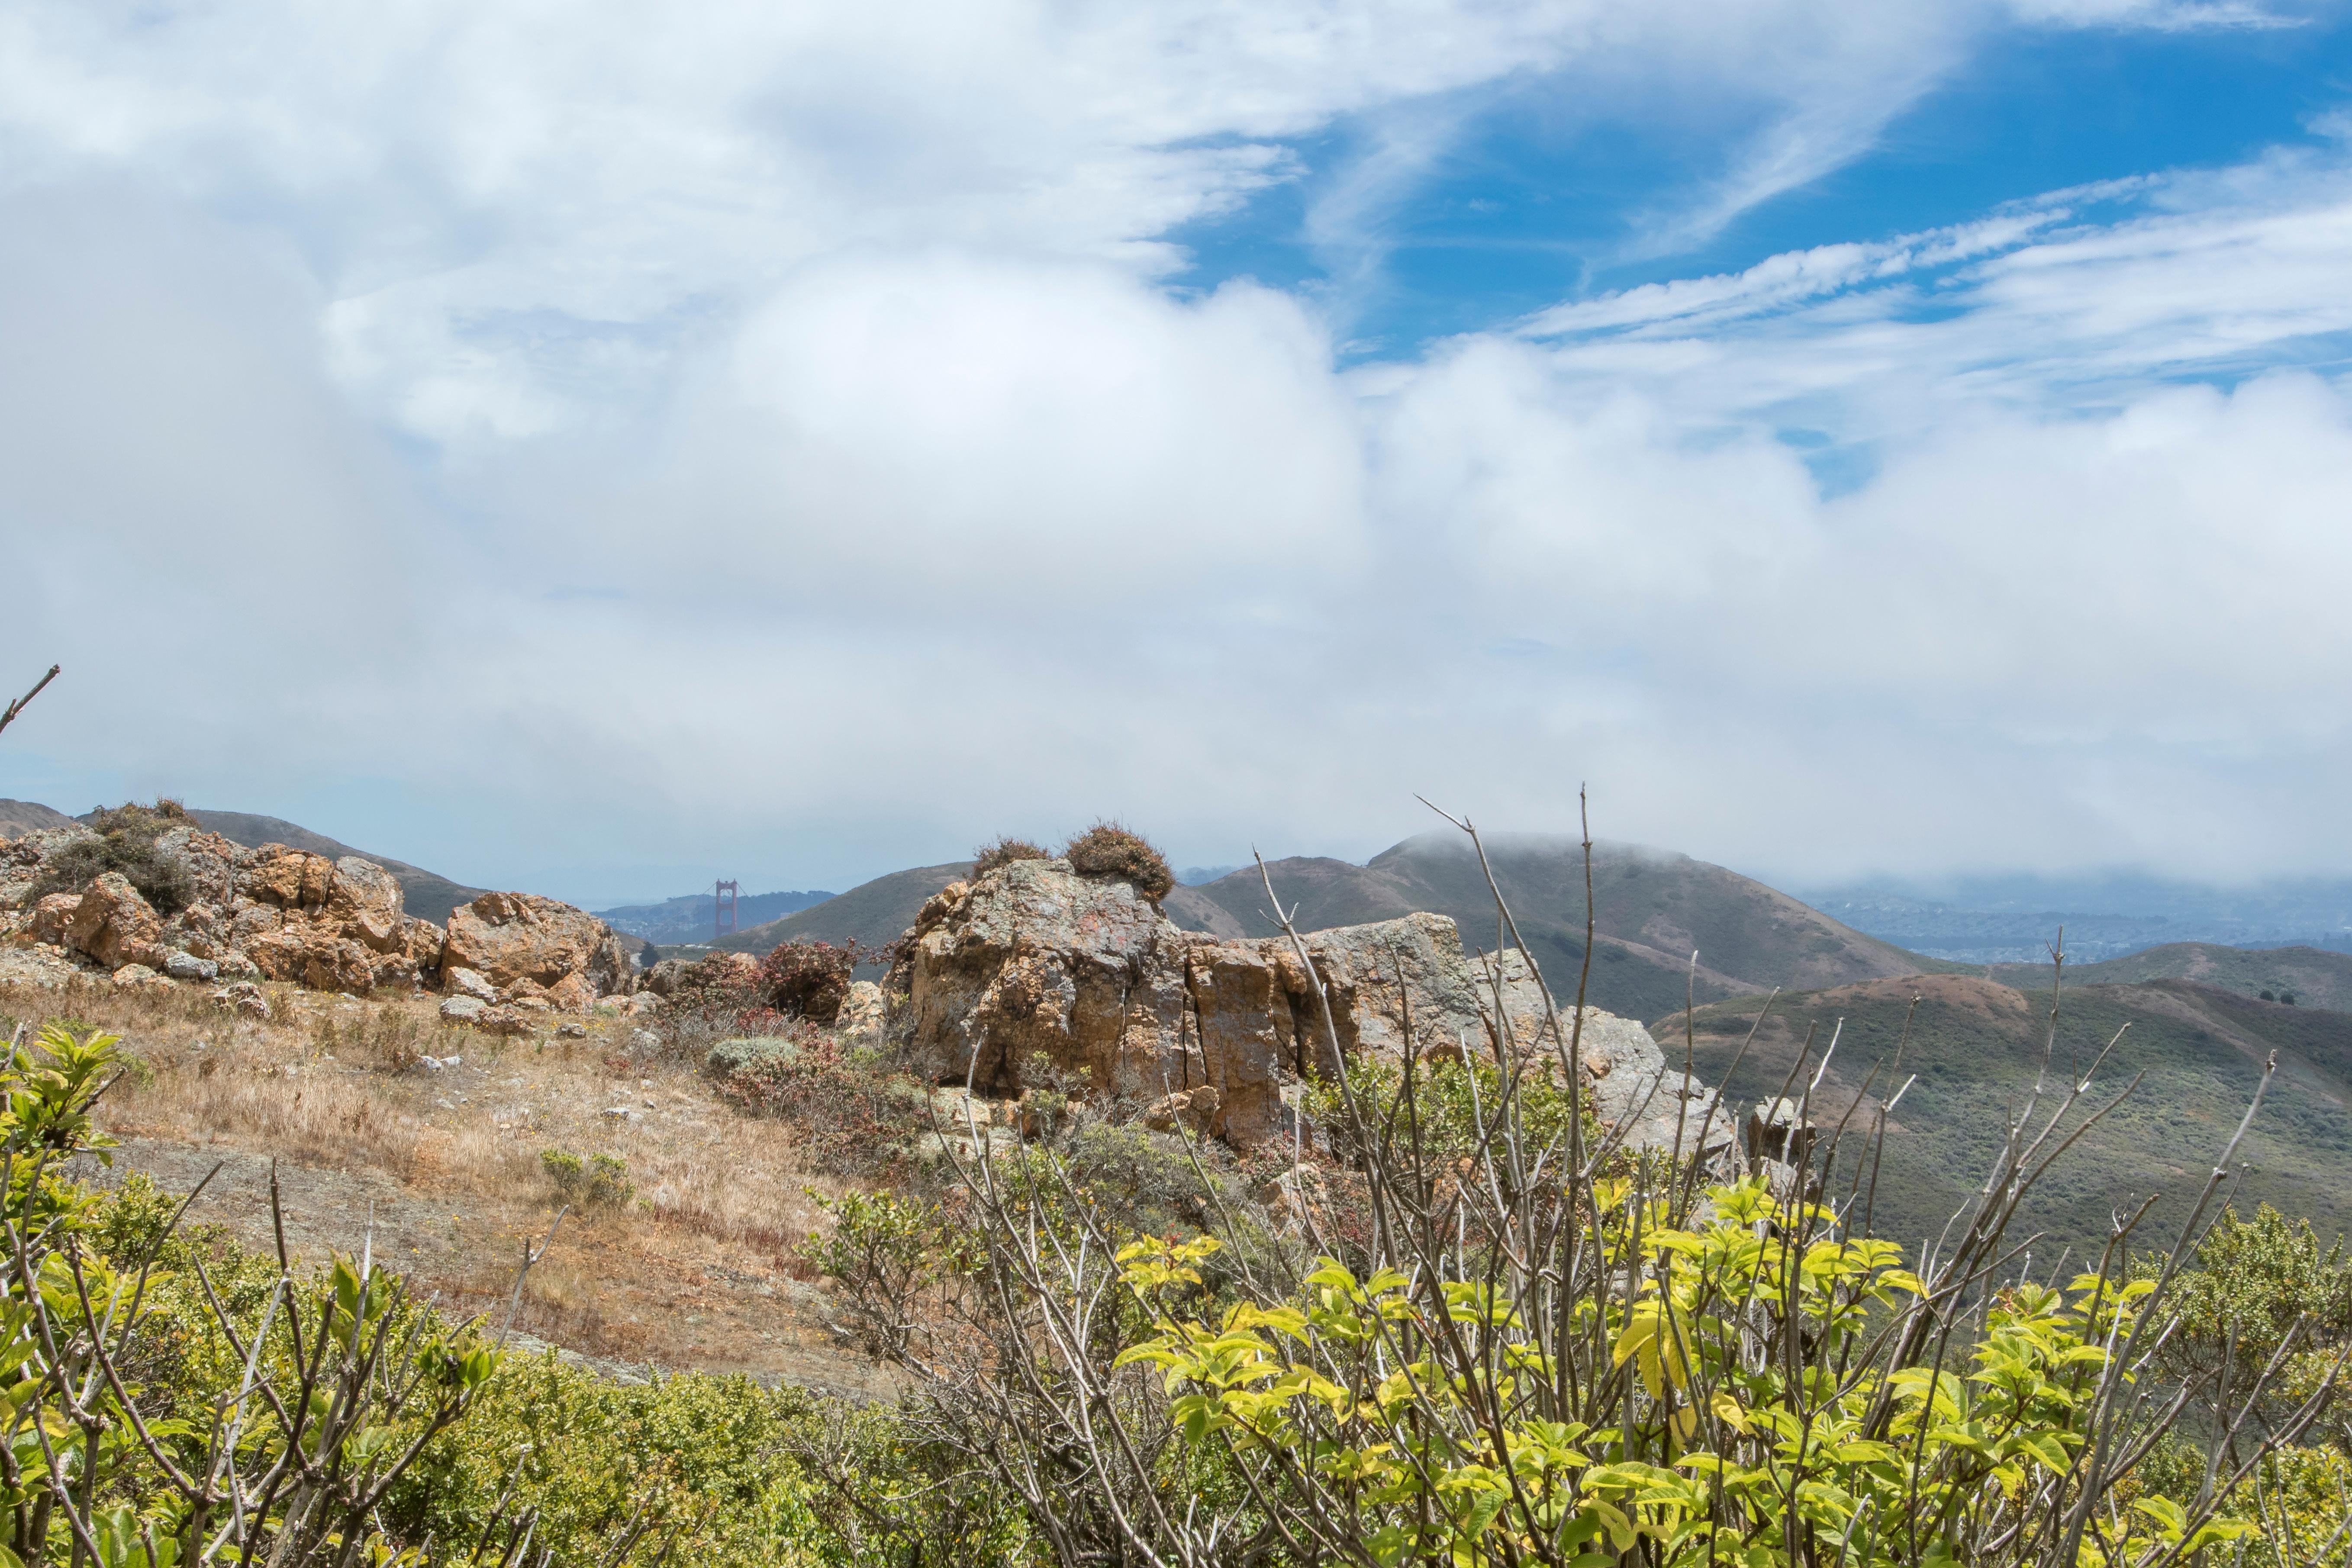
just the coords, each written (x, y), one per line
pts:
(848, 1119)
(808, 979)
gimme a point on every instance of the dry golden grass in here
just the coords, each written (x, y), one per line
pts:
(332, 1085)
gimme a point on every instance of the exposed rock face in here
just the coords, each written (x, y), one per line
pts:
(245, 996)
(286, 914)
(22, 860)
(331, 925)
(459, 981)
(183, 966)
(115, 926)
(862, 1012)
(1635, 1093)
(530, 949)
(1035, 971)
(52, 918)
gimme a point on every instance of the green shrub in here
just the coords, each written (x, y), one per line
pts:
(1449, 1103)
(1143, 1181)
(601, 1181)
(125, 843)
(1003, 852)
(1106, 849)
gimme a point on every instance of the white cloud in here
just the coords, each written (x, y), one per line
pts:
(767, 436)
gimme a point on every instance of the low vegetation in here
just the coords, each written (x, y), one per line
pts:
(1536, 1349)
(1001, 852)
(1108, 850)
(1462, 1328)
(125, 844)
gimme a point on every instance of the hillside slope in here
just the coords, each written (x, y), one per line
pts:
(1977, 1047)
(2316, 977)
(870, 914)
(1652, 908)
(18, 817)
(425, 893)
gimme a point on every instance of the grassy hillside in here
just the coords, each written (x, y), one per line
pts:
(422, 893)
(2314, 976)
(1977, 1046)
(1651, 908)
(870, 914)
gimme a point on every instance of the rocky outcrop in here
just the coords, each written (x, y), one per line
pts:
(536, 952)
(22, 859)
(283, 914)
(716, 979)
(1035, 973)
(286, 914)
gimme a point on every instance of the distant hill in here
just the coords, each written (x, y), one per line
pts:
(871, 914)
(2312, 976)
(422, 893)
(689, 918)
(1977, 1046)
(18, 817)
(1651, 908)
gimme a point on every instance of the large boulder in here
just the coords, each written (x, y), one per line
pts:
(330, 925)
(210, 860)
(116, 926)
(1035, 973)
(530, 949)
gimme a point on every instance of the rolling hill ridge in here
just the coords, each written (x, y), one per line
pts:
(1975, 1047)
(1652, 908)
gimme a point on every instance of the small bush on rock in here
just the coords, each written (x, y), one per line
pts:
(808, 979)
(1003, 852)
(1106, 849)
(125, 843)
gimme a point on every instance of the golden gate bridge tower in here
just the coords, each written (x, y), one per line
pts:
(722, 911)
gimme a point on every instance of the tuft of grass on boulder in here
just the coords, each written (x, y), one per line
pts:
(1003, 852)
(1106, 849)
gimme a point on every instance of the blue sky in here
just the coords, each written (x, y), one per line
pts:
(1523, 204)
(791, 445)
